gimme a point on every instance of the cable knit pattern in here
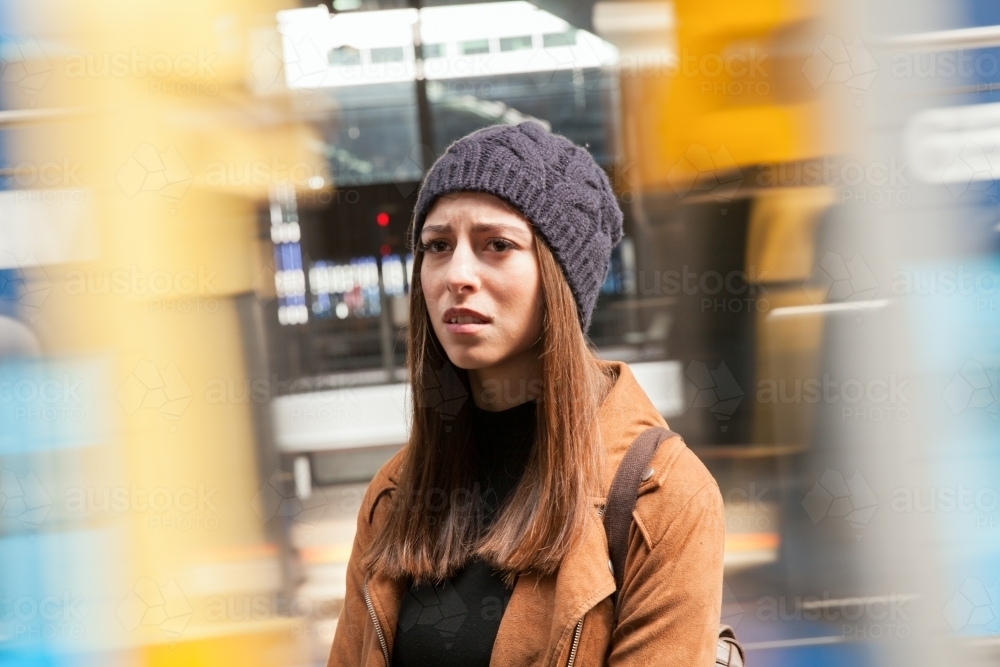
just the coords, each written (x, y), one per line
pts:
(552, 182)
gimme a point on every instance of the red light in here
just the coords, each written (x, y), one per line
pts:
(385, 249)
(382, 219)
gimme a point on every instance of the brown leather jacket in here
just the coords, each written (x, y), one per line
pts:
(671, 598)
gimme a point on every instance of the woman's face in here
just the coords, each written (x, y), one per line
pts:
(481, 281)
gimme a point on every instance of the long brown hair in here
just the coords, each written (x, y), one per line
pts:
(435, 524)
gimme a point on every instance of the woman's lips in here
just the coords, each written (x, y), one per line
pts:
(465, 325)
(464, 328)
(464, 321)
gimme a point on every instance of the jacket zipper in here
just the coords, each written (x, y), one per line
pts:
(576, 643)
(378, 628)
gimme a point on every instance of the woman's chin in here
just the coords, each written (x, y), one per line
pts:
(471, 362)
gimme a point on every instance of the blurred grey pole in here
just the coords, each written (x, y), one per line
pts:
(420, 82)
(901, 554)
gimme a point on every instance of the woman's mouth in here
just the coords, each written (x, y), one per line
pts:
(464, 321)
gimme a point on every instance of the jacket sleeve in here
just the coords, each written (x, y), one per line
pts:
(348, 640)
(672, 595)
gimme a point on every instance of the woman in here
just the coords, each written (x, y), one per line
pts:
(481, 543)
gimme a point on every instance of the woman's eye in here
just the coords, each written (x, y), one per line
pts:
(499, 245)
(435, 246)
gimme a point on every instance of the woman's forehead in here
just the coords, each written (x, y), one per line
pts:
(475, 210)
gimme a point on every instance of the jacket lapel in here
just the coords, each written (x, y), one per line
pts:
(540, 618)
(555, 603)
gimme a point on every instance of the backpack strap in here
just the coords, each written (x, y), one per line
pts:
(622, 495)
(617, 519)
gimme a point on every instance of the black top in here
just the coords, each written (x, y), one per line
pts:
(456, 622)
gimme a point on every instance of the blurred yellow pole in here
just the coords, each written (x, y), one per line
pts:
(177, 155)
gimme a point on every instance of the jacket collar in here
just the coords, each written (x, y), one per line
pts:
(584, 577)
(625, 413)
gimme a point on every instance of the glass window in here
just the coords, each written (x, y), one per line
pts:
(567, 38)
(515, 43)
(474, 47)
(344, 56)
(389, 54)
(433, 50)
(373, 135)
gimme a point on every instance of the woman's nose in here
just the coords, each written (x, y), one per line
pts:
(463, 273)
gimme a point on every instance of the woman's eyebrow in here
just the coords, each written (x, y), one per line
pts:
(436, 229)
(497, 228)
(477, 228)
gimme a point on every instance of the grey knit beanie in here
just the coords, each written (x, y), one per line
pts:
(553, 183)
